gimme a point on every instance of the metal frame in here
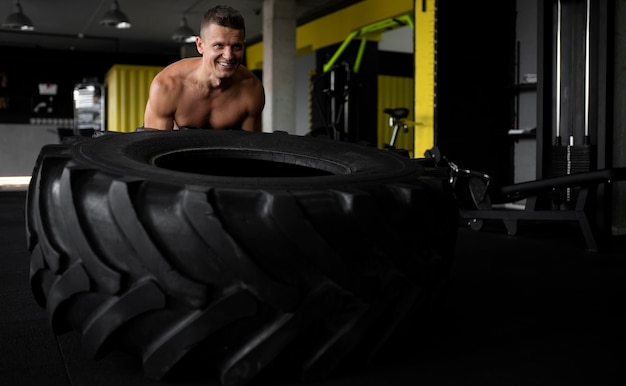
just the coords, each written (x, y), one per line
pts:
(361, 33)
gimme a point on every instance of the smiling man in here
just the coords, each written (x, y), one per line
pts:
(214, 91)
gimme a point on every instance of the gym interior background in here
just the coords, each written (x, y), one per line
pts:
(492, 81)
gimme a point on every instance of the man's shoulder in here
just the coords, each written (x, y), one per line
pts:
(248, 76)
(252, 89)
(176, 72)
(181, 67)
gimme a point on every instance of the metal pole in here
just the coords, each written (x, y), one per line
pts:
(558, 73)
(587, 27)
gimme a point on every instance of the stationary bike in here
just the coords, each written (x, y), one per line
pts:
(470, 187)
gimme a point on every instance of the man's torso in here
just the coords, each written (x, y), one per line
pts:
(201, 106)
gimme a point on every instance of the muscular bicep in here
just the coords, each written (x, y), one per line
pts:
(253, 122)
(160, 107)
(254, 119)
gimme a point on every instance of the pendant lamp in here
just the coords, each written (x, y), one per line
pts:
(184, 33)
(18, 21)
(115, 18)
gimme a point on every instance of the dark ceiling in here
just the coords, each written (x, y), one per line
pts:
(74, 24)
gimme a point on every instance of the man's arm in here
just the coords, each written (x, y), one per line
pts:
(160, 108)
(254, 120)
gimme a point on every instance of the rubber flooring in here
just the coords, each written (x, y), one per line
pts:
(529, 309)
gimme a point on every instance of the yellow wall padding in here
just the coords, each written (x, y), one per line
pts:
(394, 92)
(127, 93)
(425, 94)
(334, 28)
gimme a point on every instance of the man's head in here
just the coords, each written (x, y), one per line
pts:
(221, 41)
(224, 16)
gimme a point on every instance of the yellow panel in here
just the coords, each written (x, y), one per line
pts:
(254, 56)
(393, 92)
(425, 94)
(127, 93)
(334, 28)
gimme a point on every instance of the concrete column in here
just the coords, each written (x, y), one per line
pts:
(279, 65)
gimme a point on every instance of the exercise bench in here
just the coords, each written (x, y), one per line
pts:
(585, 184)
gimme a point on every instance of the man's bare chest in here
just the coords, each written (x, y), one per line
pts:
(217, 111)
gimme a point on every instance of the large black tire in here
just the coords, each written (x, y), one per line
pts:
(249, 248)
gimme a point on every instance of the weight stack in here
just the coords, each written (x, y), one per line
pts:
(566, 160)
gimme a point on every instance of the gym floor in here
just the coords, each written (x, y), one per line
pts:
(530, 309)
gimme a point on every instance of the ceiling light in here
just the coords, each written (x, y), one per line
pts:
(115, 18)
(184, 33)
(18, 20)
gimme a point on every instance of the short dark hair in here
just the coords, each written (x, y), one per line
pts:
(225, 16)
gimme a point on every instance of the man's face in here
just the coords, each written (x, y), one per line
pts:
(221, 49)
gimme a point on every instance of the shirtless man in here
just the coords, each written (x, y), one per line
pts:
(214, 91)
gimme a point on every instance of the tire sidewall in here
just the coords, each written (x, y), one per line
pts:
(344, 164)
